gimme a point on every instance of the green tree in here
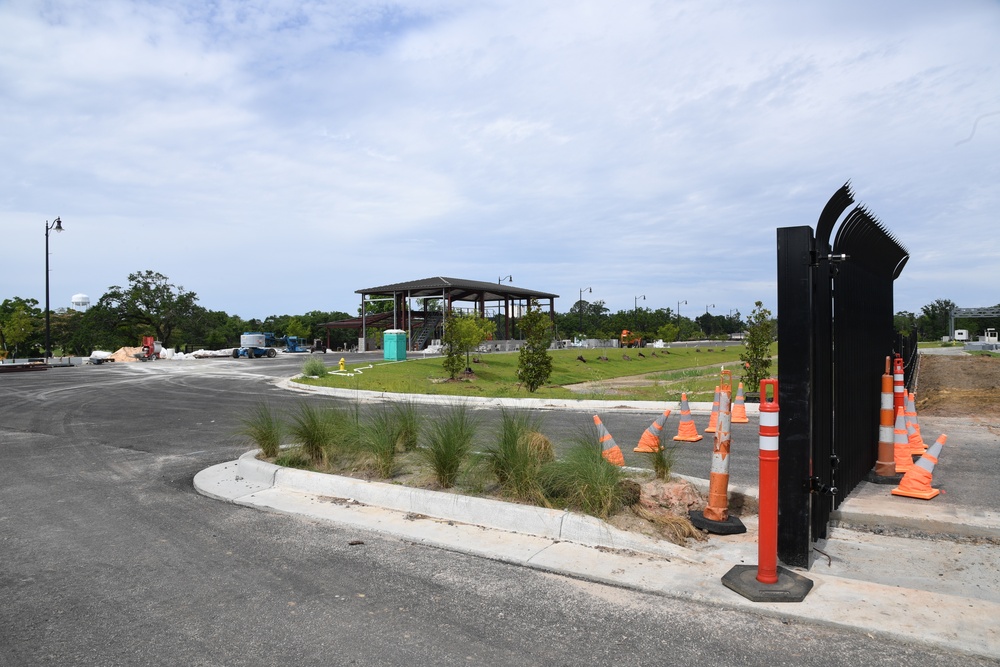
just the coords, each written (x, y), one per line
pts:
(19, 321)
(934, 320)
(150, 302)
(463, 332)
(756, 354)
(534, 365)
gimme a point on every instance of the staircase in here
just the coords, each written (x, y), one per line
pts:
(431, 323)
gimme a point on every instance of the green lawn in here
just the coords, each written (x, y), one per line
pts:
(694, 370)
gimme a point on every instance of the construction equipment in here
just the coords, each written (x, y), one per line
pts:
(629, 339)
(256, 344)
(150, 349)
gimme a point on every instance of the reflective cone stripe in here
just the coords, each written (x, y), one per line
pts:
(901, 444)
(885, 465)
(609, 448)
(767, 531)
(916, 483)
(739, 415)
(713, 421)
(686, 430)
(898, 386)
(651, 438)
(717, 508)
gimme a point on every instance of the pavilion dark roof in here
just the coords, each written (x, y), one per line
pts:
(459, 290)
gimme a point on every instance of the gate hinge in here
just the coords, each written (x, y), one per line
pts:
(817, 486)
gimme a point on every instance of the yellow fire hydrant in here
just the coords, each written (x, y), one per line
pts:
(342, 367)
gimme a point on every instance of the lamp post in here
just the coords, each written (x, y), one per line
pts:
(679, 311)
(709, 306)
(509, 279)
(56, 225)
(579, 305)
(635, 309)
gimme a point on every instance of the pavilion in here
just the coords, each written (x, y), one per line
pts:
(433, 297)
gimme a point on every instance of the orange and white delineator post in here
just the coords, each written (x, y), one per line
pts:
(717, 508)
(609, 448)
(739, 415)
(767, 531)
(686, 429)
(713, 421)
(651, 439)
(916, 483)
(885, 464)
(901, 444)
(898, 384)
(916, 419)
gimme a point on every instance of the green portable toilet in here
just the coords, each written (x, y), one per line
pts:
(394, 345)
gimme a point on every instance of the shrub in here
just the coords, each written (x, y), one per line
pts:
(314, 367)
(449, 444)
(663, 461)
(263, 428)
(515, 458)
(312, 428)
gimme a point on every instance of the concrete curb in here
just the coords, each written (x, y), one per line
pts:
(362, 396)
(561, 525)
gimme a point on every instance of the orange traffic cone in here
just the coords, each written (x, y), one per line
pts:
(650, 441)
(713, 421)
(686, 430)
(917, 482)
(916, 421)
(901, 444)
(739, 415)
(917, 446)
(609, 448)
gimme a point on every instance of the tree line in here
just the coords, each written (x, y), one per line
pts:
(149, 305)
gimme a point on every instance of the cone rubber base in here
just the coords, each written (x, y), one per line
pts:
(731, 526)
(646, 450)
(790, 587)
(922, 495)
(883, 479)
(679, 438)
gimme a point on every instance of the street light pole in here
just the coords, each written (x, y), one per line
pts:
(679, 311)
(709, 306)
(579, 305)
(635, 309)
(56, 225)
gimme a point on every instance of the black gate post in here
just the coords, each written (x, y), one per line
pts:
(795, 338)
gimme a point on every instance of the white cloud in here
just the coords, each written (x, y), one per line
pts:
(633, 147)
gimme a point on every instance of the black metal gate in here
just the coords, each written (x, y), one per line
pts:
(835, 328)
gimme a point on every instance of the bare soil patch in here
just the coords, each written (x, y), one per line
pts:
(958, 386)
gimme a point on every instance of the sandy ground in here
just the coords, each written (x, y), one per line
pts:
(957, 386)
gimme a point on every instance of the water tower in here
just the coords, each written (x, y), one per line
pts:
(80, 302)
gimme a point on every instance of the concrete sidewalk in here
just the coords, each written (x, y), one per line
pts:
(902, 583)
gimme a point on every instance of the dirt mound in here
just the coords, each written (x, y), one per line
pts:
(958, 386)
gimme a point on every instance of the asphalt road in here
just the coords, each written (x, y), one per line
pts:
(108, 556)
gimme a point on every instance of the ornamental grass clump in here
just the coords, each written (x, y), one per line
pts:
(584, 480)
(449, 442)
(516, 456)
(313, 429)
(379, 438)
(408, 425)
(314, 367)
(264, 429)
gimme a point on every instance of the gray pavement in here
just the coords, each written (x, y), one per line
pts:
(926, 572)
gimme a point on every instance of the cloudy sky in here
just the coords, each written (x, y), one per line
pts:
(274, 157)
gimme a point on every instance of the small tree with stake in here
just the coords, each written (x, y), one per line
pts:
(534, 365)
(756, 355)
(463, 332)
